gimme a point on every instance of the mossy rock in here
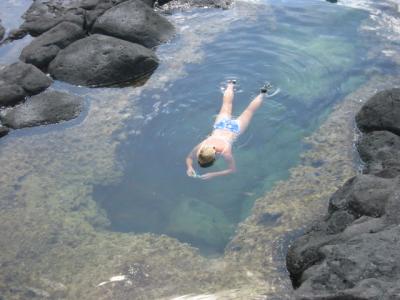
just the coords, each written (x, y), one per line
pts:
(201, 223)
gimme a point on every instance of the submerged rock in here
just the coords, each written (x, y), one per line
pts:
(46, 108)
(381, 112)
(45, 48)
(136, 22)
(19, 80)
(100, 60)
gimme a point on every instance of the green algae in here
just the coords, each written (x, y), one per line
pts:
(51, 246)
(199, 221)
(55, 242)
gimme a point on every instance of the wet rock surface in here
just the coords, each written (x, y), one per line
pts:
(382, 112)
(44, 15)
(3, 131)
(46, 108)
(136, 22)
(114, 54)
(45, 48)
(100, 60)
(19, 80)
(380, 150)
(2, 31)
(58, 24)
(353, 252)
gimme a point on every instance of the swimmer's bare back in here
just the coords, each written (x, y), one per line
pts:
(226, 130)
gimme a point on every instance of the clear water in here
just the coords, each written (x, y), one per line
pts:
(131, 144)
(311, 50)
(10, 16)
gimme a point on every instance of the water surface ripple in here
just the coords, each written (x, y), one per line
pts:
(298, 52)
(106, 195)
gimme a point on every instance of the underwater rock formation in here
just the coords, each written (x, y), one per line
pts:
(19, 80)
(353, 252)
(100, 60)
(46, 108)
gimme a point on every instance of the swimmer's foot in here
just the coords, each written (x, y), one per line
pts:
(265, 88)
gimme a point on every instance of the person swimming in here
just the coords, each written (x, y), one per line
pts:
(225, 131)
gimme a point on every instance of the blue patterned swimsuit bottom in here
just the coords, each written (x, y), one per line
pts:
(228, 124)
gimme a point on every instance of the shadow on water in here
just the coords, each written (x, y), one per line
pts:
(312, 52)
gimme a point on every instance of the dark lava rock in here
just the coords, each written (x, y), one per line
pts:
(46, 108)
(15, 34)
(363, 267)
(96, 10)
(353, 253)
(380, 150)
(45, 48)
(136, 22)
(2, 31)
(11, 94)
(44, 15)
(19, 80)
(381, 112)
(363, 195)
(3, 131)
(100, 60)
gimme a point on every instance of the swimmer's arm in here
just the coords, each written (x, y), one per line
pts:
(189, 161)
(231, 168)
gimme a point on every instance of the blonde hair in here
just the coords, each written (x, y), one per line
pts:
(206, 156)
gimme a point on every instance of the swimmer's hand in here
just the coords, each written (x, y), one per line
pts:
(191, 172)
(208, 176)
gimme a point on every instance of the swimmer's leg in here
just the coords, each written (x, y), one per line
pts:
(245, 118)
(226, 108)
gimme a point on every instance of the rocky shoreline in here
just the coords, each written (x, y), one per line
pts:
(92, 43)
(83, 42)
(353, 252)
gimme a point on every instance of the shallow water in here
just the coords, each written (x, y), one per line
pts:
(127, 151)
(307, 50)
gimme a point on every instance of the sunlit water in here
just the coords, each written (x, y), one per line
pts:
(312, 51)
